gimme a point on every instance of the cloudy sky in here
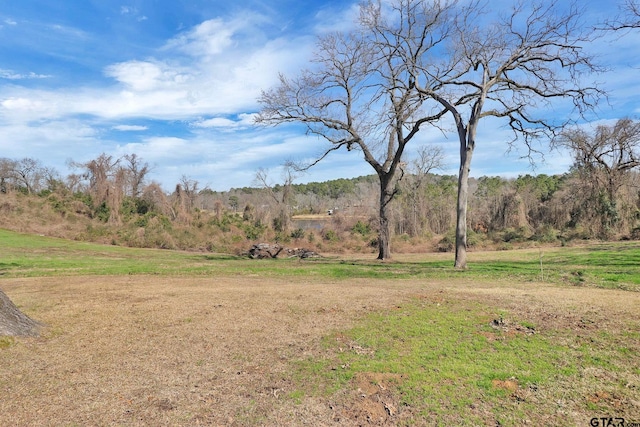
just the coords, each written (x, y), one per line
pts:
(176, 82)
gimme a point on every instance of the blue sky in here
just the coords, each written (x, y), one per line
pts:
(176, 82)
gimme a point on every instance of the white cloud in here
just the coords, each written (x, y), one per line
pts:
(20, 104)
(216, 70)
(132, 11)
(52, 142)
(207, 39)
(130, 128)
(145, 76)
(244, 121)
(330, 19)
(218, 77)
(216, 122)
(11, 75)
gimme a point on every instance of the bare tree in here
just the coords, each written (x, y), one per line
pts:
(360, 94)
(100, 173)
(511, 66)
(107, 181)
(137, 171)
(7, 181)
(428, 159)
(184, 199)
(29, 173)
(74, 182)
(52, 179)
(190, 189)
(604, 160)
(282, 195)
(156, 198)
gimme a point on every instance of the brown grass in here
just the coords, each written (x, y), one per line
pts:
(158, 351)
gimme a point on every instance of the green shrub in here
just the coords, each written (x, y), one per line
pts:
(298, 234)
(102, 212)
(448, 241)
(361, 228)
(515, 235)
(330, 236)
(254, 231)
(546, 234)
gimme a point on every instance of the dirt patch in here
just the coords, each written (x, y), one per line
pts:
(372, 400)
(509, 385)
(143, 350)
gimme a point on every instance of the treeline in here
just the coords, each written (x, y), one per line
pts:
(111, 200)
(332, 189)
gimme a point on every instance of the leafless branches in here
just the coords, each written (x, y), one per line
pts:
(515, 66)
(413, 62)
(360, 91)
(627, 19)
(607, 154)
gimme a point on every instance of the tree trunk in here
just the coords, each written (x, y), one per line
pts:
(13, 322)
(384, 234)
(466, 152)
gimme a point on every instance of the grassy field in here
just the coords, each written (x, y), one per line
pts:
(548, 336)
(607, 265)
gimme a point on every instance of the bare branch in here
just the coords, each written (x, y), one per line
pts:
(628, 18)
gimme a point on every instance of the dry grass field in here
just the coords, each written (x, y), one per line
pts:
(152, 350)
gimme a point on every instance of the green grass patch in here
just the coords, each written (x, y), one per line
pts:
(445, 361)
(6, 342)
(454, 368)
(601, 265)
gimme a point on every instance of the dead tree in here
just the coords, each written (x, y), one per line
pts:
(136, 172)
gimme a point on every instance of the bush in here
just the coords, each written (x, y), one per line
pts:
(254, 231)
(361, 228)
(298, 234)
(330, 236)
(515, 234)
(546, 234)
(102, 212)
(448, 241)
(281, 237)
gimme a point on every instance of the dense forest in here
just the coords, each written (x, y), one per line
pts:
(111, 200)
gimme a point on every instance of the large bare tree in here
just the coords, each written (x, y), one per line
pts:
(513, 65)
(417, 61)
(359, 95)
